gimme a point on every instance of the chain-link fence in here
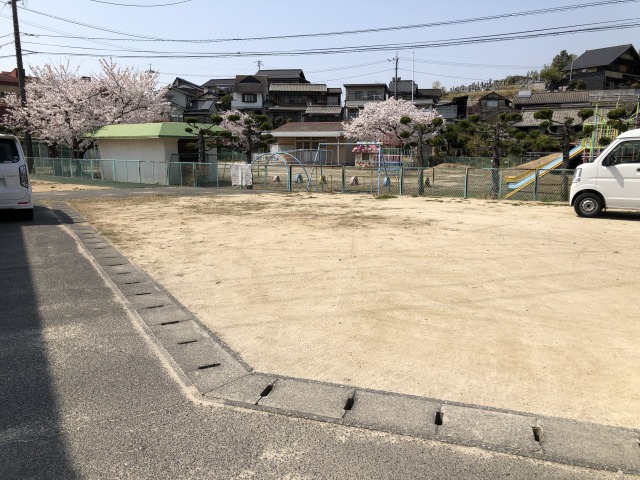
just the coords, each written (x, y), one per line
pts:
(445, 180)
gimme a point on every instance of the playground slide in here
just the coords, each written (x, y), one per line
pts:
(527, 179)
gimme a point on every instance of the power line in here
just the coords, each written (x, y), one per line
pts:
(345, 32)
(142, 6)
(509, 36)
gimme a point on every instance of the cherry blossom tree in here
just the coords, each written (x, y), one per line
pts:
(392, 121)
(63, 107)
(245, 132)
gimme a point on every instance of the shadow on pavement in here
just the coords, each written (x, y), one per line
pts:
(31, 438)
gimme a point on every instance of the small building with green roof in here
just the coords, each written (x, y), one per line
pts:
(150, 146)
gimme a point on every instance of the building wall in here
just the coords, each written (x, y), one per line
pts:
(238, 104)
(150, 156)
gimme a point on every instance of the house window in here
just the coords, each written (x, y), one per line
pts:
(492, 103)
(249, 97)
(333, 101)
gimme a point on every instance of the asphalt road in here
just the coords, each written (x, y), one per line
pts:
(84, 393)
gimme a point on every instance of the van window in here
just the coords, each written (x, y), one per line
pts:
(8, 151)
(625, 152)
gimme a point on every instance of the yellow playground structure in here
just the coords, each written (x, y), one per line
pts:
(589, 149)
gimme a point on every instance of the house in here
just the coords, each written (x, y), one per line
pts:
(605, 68)
(8, 86)
(308, 136)
(360, 94)
(490, 106)
(527, 100)
(188, 100)
(292, 75)
(153, 145)
(249, 93)
(423, 98)
(219, 86)
(301, 102)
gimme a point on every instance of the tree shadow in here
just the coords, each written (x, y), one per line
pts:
(31, 438)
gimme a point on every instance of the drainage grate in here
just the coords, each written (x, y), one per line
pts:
(439, 418)
(187, 342)
(142, 293)
(173, 322)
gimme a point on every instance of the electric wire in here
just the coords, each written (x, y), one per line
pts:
(542, 11)
(509, 36)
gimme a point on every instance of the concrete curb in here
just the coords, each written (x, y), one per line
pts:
(220, 375)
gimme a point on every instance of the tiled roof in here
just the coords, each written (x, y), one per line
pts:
(283, 74)
(298, 87)
(430, 92)
(250, 84)
(287, 108)
(309, 127)
(598, 57)
(355, 85)
(218, 82)
(404, 86)
(550, 98)
(323, 110)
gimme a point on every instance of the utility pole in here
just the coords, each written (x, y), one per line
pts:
(259, 62)
(395, 83)
(21, 80)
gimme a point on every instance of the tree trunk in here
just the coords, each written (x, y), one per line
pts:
(201, 147)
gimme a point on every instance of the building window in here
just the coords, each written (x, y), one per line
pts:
(492, 103)
(249, 97)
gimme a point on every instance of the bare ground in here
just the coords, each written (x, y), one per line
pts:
(512, 305)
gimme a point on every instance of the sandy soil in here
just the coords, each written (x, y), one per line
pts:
(43, 186)
(513, 305)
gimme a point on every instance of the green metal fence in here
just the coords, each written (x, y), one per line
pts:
(440, 181)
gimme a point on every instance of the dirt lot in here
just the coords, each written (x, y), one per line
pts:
(42, 186)
(513, 305)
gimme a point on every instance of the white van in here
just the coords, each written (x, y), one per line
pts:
(611, 181)
(15, 188)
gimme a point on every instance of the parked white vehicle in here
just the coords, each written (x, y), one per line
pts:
(15, 188)
(611, 181)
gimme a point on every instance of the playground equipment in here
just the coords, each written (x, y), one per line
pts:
(590, 148)
(518, 182)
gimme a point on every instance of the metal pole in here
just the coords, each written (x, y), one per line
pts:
(535, 186)
(21, 81)
(466, 182)
(401, 182)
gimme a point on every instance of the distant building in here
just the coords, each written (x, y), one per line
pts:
(605, 68)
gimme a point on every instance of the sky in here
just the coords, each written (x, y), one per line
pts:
(203, 39)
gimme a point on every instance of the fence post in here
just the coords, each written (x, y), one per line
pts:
(466, 183)
(92, 169)
(535, 186)
(289, 174)
(114, 172)
(344, 179)
(194, 173)
(139, 172)
(401, 180)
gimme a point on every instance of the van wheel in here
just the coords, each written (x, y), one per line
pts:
(588, 205)
(27, 214)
